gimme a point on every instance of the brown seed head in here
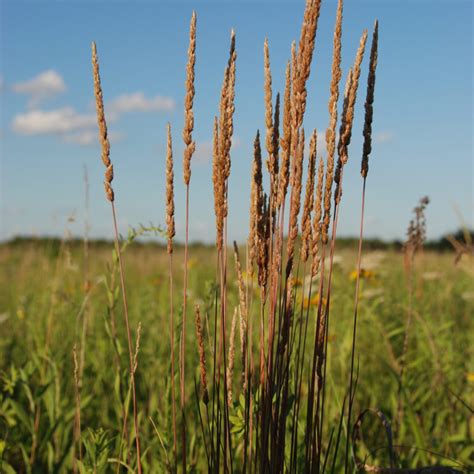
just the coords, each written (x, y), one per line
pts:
(263, 241)
(170, 192)
(306, 230)
(317, 220)
(242, 306)
(285, 140)
(331, 130)
(345, 107)
(230, 366)
(227, 106)
(104, 141)
(305, 54)
(416, 233)
(369, 101)
(256, 199)
(268, 104)
(190, 145)
(202, 356)
(295, 199)
(348, 118)
(217, 180)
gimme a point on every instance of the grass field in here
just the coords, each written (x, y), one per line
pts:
(289, 352)
(42, 292)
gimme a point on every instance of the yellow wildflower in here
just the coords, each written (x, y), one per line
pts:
(297, 282)
(364, 274)
(314, 301)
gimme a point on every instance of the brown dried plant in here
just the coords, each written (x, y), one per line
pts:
(170, 234)
(105, 145)
(306, 224)
(202, 355)
(188, 152)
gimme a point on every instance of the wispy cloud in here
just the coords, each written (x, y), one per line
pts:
(66, 122)
(41, 87)
(90, 137)
(56, 121)
(384, 136)
(137, 102)
(203, 153)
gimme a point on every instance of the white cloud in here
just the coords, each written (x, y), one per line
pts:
(384, 136)
(236, 143)
(43, 86)
(78, 128)
(320, 143)
(137, 102)
(203, 153)
(90, 137)
(204, 150)
(56, 121)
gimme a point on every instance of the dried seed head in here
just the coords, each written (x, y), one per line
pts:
(276, 136)
(256, 199)
(294, 119)
(242, 313)
(268, 104)
(104, 141)
(170, 192)
(331, 130)
(305, 55)
(317, 220)
(230, 366)
(190, 145)
(226, 126)
(137, 347)
(306, 229)
(263, 241)
(345, 107)
(416, 233)
(285, 140)
(217, 180)
(348, 118)
(295, 200)
(202, 356)
(369, 101)
(269, 138)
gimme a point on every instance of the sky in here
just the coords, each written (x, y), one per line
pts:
(423, 117)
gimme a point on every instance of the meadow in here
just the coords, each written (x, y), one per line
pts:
(288, 352)
(41, 280)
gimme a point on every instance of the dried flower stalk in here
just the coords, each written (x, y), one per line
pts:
(317, 224)
(336, 75)
(190, 145)
(369, 101)
(104, 140)
(202, 355)
(306, 229)
(169, 191)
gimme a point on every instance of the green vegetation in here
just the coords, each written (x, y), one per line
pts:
(43, 287)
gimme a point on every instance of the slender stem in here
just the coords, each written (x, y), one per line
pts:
(183, 332)
(129, 339)
(354, 329)
(173, 395)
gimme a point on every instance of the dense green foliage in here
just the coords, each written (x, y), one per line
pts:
(46, 292)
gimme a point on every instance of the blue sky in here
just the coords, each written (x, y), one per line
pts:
(422, 125)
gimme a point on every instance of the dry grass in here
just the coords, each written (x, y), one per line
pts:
(279, 417)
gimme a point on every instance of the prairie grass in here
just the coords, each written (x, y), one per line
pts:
(291, 349)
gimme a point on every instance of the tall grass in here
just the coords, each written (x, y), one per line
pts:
(270, 394)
